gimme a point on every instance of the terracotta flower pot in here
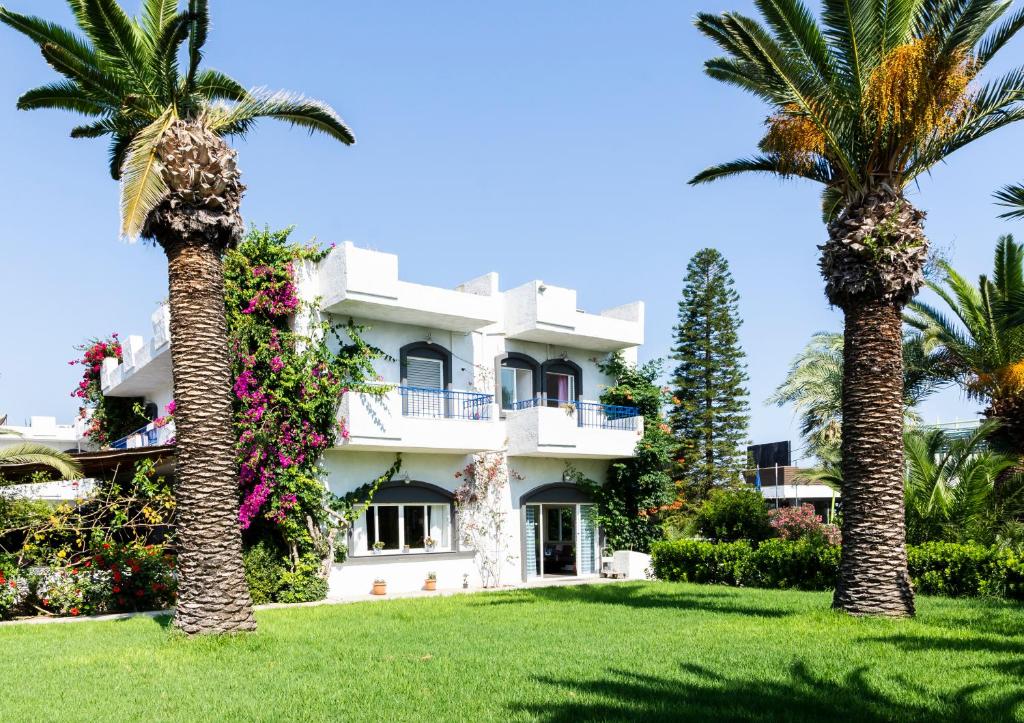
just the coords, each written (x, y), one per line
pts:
(430, 585)
(380, 588)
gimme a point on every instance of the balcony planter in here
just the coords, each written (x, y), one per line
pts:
(380, 587)
(377, 547)
(429, 544)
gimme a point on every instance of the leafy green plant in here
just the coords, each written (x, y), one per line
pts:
(733, 514)
(723, 563)
(804, 564)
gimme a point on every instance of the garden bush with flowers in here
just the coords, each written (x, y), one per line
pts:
(798, 523)
(109, 552)
(110, 418)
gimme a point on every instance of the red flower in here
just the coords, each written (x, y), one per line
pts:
(74, 611)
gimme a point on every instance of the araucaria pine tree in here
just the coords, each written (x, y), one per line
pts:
(709, 406)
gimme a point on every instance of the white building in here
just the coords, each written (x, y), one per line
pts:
(474, 370)
(44, 431)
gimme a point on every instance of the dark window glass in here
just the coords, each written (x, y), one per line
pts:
(371, 527)
(415, 526)
(387, 519)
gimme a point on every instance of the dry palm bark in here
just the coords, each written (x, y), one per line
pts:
(197, 221)
(873, 265)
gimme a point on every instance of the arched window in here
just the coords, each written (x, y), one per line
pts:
(562, 382)
(425, 364)
(520, 379)
(405, 517)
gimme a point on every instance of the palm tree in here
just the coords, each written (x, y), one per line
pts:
(1013, 198)
(814, 386)
(863, 103)
(180, 187)
(950, 487)
(981, 340)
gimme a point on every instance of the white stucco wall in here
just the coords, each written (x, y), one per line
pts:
(405, 572)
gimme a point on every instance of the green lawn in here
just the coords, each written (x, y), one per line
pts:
(626, 651)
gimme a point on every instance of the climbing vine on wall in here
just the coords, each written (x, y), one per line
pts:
(483, 520)
(110, 418)
(287, 387)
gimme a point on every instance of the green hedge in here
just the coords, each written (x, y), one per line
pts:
(937, 568)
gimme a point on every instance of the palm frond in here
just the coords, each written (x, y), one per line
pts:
(764, 163)
(214, 85)
(313, 115)
(94, 81)
(43, 32)
(118, 38)
(142, 183)
(156, 15)
(63, 95)
(29, 453)
(1011, 197)
(199, 12)
(994, 42)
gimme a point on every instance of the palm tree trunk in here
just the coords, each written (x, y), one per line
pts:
(212, 593)
(873, 576)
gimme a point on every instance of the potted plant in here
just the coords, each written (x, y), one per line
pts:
(430, 543)
(431, 582)
(378, 546)
(380, 586)
(406, 548)
(465, 581)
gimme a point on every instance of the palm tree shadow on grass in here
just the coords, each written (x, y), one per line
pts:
(703, 694)
(1009, 650)
(714, 599)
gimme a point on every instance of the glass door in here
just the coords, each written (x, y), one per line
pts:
(589, 559)
(532, 540)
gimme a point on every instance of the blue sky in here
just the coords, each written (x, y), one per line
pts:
(538, 139)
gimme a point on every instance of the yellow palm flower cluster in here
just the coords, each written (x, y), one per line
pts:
(1008, 378)
(794, 138)
(917, 92)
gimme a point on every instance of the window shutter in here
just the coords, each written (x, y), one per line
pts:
(422, 372)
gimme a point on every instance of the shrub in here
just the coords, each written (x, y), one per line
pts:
(957, 570)
(263, 572)
(797, 523)
(730, 515)
(304, 584)
(807, 564)
(700, 561)
(112, 578)
(10, 589)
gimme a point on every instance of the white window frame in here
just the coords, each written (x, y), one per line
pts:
(446, 528)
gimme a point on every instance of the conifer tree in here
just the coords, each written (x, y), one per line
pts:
(709, 406)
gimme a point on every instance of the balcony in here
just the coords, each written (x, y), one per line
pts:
(152, 435)
(364, 284)
(420, 419)
(549, 315)
(543, 427)
(145, 368)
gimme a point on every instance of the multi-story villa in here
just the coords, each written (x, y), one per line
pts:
(475, 370)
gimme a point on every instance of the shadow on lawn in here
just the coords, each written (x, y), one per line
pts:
(699, 693)
(713, 600)
(1010, 650)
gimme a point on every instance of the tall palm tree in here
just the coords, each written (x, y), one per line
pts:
(814, 386)
(981, 339)
(863, 103)
(139, 80)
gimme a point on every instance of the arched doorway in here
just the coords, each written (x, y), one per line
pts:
(560, 533)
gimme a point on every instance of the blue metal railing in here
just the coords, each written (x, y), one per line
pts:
(445, 403)
(148, 436)
(589, 414)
